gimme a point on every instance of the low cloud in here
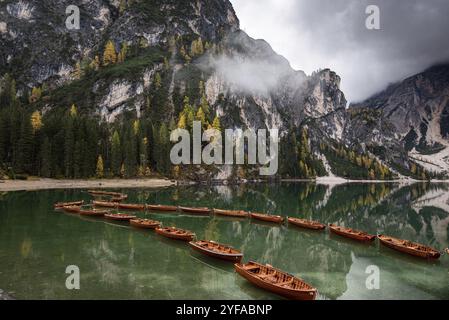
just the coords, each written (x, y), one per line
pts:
(332, 34)
(247, 75)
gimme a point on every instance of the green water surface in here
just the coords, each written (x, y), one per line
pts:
(120, 262)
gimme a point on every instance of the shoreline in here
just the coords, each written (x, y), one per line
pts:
(48, 184)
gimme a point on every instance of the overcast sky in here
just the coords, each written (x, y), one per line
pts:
(314, 34)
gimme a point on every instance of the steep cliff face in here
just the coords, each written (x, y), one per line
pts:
(194, 49)
(259, 86)
(411, 115)
(37, 46)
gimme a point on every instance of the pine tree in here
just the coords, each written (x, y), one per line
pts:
(95, 64)
(36, 94)
(77, 73)
(205, 106)
(163, 142)
(123, 52)
(116, 154)
(197, 48)
(25, 148)
(36, 121)
(130, 152)
(182, 123)
(122, 170)
(100, 167)
(200, 116)
(109, 54)
(157, 80)
(69, 145)
(73, 111)
(45, 169)
(216, 123)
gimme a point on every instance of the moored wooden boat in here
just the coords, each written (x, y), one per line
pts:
(217, 250)
(59, 205)
(119, 216)
(231, 213)
(131, 206)
(119, 199)
(204, 211)
(105, 193)
(145, 223)
(351, 233)
(411, 248)
(266, 217)
(93, 212)
(161, 207)
(276, 281)
(115, 196)
(72, 209)
(176, 233)
(308, 224)
(104, 204)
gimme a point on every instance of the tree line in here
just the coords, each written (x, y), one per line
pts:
(62, 143)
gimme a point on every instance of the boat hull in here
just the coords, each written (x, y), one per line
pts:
(104, 204)
(312, 225)
(144, 225)
(198, 211)
(231, 213)
(174, 236)
(117, 217)
(285, 292)
(72, 209)
(135, 207)
(237, 257)
(352, 235)
(266, 218)
(433, 254)
(93, 213)
(60, 205)
(161, 208)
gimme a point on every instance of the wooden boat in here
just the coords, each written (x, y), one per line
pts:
(447, 250)
(231, 213)
(196, 210)
(119, 199)
(217, 250)
(104, 204)
(160, 207)
(93, 212)
(119, 216)
(308, 224)
(105, 193)
(350, 233)
(59, 205)
(411, 248)
(175, 233)
(266, 217)
(145, 223)
(276, 281)
(72, 209)
(129, 206)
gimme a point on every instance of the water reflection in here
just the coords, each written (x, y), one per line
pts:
(120, 262)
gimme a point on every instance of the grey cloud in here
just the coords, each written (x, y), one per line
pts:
(332, 33)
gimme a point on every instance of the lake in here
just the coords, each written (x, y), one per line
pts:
(120, 262)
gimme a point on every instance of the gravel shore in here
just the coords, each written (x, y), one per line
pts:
(42, 184)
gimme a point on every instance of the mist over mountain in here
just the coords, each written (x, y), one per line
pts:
(137, 69)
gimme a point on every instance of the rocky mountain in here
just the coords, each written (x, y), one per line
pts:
(165, 51)
(413, 115)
